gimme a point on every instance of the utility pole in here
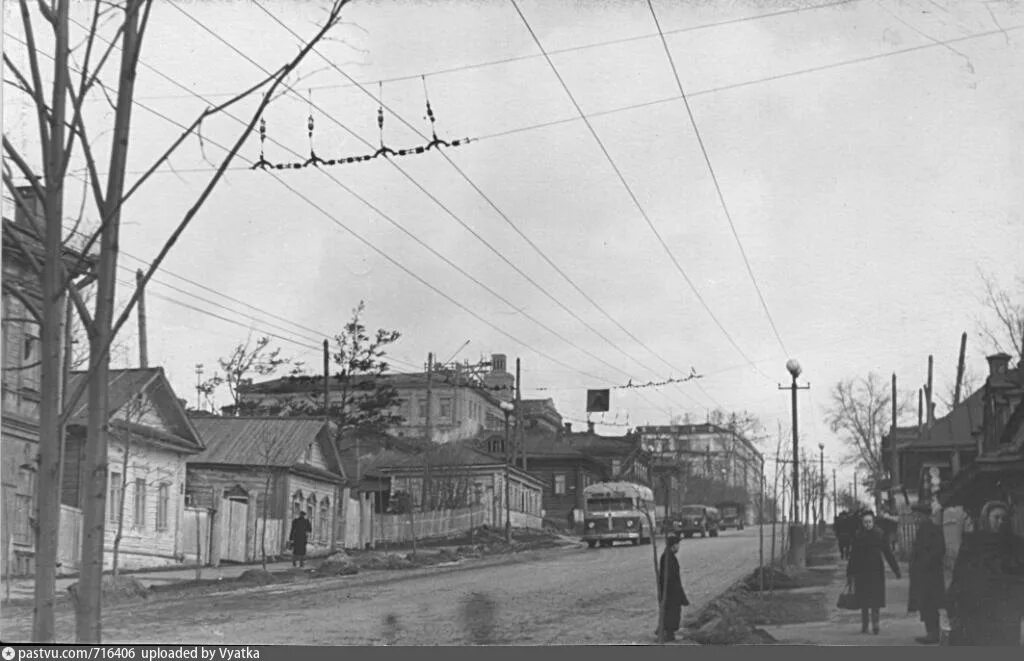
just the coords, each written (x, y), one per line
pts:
(199, 377)
(143, 352)
(835, 496)
(855, 498)
(798, 543)
(430, 404)
(519, 417)
(960, 369)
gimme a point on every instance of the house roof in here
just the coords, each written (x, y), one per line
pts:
(125, 384)
(450, 455)
(956, 427)
(410, 380)
(262, 441)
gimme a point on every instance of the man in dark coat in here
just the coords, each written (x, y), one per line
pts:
(671, 595)
(866, 570)
(301, 530)
(927, 580)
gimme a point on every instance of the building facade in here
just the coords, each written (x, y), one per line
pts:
(461, 403)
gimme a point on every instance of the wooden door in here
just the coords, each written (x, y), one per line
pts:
(234, 522)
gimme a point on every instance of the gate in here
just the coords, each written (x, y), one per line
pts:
(234, 522)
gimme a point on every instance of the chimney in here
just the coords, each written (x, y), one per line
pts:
(590, 427)
(567, 426)
(28, 196)
(498, 362)
(998, 364)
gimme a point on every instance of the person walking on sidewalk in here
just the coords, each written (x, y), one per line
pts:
(866, 570)
(985, 600)
(927, 581)
(301, 529)
(671, 595)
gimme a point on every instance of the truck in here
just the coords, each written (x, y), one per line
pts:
(733, 515)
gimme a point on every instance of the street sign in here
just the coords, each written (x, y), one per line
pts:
(597, 401)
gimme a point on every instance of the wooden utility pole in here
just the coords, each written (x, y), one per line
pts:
(141, 286)
(920, 409)
(519, 418)
(930, 411)
(430, 404)
(894, 455)
(960, 369)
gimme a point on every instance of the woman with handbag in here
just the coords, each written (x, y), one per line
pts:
(865, 570)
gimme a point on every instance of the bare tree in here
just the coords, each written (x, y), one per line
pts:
(1003, 325)
(63, 135)
(246, 359)
(860, 412)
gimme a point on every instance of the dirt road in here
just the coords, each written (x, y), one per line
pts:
(576, 596)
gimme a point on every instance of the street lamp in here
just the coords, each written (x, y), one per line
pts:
(507, 408)
(797, 543)
(821, 491)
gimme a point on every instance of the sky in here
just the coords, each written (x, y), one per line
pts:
(867, 152)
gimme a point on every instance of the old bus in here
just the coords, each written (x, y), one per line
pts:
(617, 511)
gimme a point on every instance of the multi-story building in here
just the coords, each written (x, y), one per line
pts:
(708, 452)
(22, 350)
(462, 404)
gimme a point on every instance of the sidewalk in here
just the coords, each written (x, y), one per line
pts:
(23, 589)
(843, 627)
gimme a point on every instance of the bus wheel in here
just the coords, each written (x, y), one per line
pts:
(606, 542)
(688, 535)
(591, 543)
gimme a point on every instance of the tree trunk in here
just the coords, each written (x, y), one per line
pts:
(47, 523)
(266, 505)
(120, 512)
(89, 609)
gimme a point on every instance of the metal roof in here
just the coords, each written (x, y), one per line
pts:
(254, 441)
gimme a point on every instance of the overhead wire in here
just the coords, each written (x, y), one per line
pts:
(505, 217)
(633, 196)
(379, 251)
(714, 178)
(448, 211)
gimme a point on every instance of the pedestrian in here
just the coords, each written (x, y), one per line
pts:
(845, 526)
(927, 580)
(671, 595)
(301, 529)
(572, 518)
(865, 570)
(984, 599)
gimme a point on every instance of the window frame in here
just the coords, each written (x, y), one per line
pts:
(559, 478)
(139, 503)
(115, 483)
(163, 505)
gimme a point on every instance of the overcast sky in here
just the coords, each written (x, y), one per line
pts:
(869, 173)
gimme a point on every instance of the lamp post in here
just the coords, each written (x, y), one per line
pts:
(797, 541)
(507, 408)
(821, 491)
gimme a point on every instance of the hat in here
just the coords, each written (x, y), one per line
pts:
(922, 507)
(671, 539)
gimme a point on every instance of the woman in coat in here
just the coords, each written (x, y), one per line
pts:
(866, 570)
(671, 595)
(985, 599)
(301, 529)
(927, 576)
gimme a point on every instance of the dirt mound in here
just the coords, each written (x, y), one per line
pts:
(337, 564)
(383, 561)
(256, 577)
(773, 580)
(729, 620)
(123, 588)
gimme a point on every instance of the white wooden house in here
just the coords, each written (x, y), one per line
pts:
(150, 438)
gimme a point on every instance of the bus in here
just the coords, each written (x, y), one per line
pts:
(615, 511)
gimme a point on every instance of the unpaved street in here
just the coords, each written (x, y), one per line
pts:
(600, 596)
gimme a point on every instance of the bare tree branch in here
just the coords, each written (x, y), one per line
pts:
(37, 80)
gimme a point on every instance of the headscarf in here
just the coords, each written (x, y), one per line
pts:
(983, 524)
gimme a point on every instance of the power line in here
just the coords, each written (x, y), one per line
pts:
(508, 221)
(714, 177)
(632, 195)
(446, 209)
(560, 51)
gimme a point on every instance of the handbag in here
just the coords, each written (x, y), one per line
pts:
(848, 600)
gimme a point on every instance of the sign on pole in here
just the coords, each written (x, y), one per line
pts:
(598, 400)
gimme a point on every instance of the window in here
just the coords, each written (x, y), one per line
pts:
(325, 521)
(114, 496)
(446, 409)
(616, 467)
(163, 506)
(296, 504)
(422, 408)
(24, 505)
(311, 512)
(140, 503)
(559, 484)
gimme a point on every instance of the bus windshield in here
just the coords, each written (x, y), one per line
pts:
(610, 504)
